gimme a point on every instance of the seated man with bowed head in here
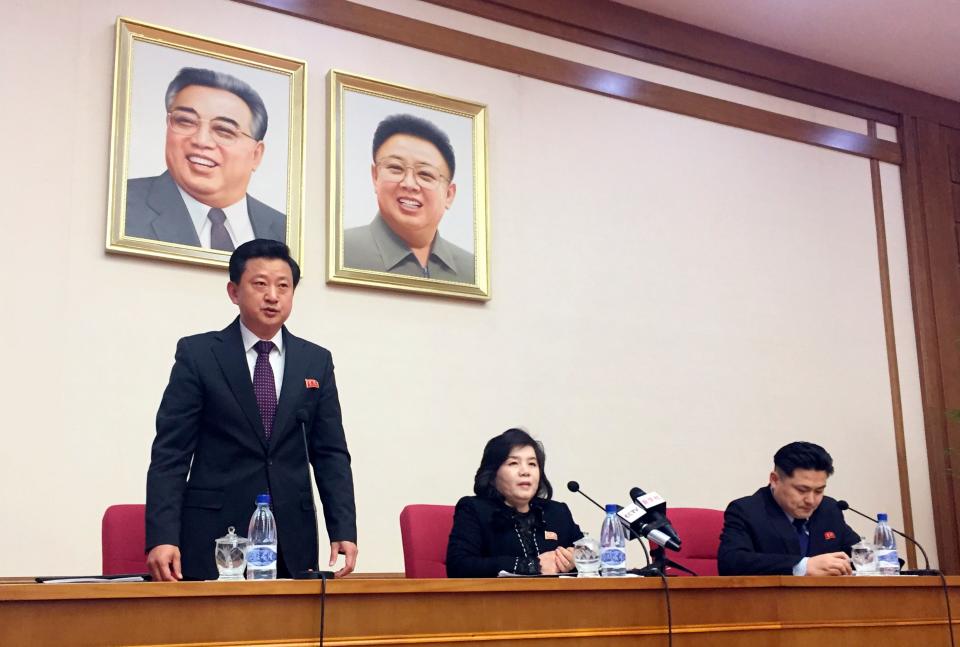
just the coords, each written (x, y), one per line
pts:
(412, 171)
(511, 524)
(214, 143)
(789, 526)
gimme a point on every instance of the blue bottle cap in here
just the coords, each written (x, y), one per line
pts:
(611, 508)
(263, 498)
(881, 516)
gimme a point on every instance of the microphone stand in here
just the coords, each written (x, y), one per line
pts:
(926, 570)
(661, 562)
(660, 559)
(650, 570)
(843, 505)
(311, 574)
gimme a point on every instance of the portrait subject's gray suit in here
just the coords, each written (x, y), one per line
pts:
(377, 247)
(156, 211)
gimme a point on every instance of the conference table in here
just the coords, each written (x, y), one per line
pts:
(567, 612)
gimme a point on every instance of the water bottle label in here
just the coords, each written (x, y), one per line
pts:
(887, 562)
(261, 556)
(613, 556)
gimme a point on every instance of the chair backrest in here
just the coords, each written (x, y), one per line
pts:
(122, 539)
(699, 530)
(425, 531)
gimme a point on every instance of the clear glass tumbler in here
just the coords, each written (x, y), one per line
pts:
(864, 558)
(586, 555)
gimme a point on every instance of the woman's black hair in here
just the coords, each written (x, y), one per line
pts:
(496, 452)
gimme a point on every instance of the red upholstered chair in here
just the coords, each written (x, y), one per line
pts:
(425, 531)
(699, 530)
(122, 539)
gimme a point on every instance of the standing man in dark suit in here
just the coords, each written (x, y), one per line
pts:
(224, 436)
(215, 129)
(789, 526)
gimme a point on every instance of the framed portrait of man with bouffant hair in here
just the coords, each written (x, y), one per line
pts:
(207, 146)
(408, 189)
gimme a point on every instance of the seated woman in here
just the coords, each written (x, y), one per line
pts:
(511, 524)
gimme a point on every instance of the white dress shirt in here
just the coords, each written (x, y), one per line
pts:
(276, 355)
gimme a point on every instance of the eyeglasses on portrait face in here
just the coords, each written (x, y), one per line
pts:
(427, 176)
(223, 131)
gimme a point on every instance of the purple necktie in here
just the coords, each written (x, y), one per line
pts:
(264, 387)
(219, 237)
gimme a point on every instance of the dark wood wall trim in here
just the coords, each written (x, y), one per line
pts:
(631, 48)
(599, 23)
(893, 364)
(490, 53)
(935, 288)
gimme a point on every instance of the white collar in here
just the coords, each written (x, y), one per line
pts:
(249, 339)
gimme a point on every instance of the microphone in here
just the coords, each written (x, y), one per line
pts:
(633, 515)
(926, 570)
(303, 417)
(573, 486)
(652, 510)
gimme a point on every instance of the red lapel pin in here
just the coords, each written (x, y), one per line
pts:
(312, 383)
(828, 535)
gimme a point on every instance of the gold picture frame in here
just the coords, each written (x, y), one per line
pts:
(379, 207)
(164, 180)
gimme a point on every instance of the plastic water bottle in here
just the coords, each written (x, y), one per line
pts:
(262, 554)
(613, 545)
(883, 539)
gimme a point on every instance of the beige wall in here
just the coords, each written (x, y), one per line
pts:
(672, 299)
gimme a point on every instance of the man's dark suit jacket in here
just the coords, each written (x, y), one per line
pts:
(758, 539)
(209, 416)
(483, 540)
(155, 210)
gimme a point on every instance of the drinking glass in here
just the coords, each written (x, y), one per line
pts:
(586, 555)
(864, 558)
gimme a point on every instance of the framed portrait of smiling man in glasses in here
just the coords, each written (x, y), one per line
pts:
(207, 146)
(408, 189)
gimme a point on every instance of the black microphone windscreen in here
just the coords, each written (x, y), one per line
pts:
(843, 505)
(573, 486)
(636, 493)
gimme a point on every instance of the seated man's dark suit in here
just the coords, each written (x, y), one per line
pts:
(484, 542)
(758, 538)
(209, 415)
(155, 210)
